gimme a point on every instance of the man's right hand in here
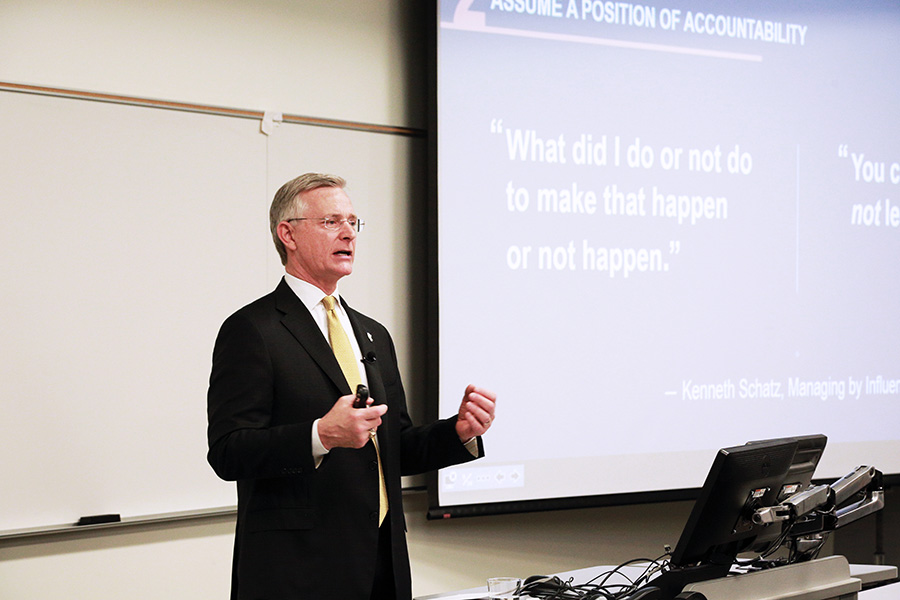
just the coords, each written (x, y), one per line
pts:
(347, 427)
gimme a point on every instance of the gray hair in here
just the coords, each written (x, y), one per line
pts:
(288, 203)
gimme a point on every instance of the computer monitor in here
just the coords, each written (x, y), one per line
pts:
(741, 479)
(720, 526)
(799, 478)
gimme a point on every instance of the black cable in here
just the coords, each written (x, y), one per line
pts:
(598, 587)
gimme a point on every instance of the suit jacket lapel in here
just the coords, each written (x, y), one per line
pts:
(376, 391)
(303, 327)
(367, 348)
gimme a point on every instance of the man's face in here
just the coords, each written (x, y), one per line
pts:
(323, 256)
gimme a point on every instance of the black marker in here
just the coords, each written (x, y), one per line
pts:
(98, 519)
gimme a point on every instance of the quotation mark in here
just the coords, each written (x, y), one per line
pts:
(496, 125)
(843, 150)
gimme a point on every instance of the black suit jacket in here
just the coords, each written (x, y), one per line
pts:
(304, 532)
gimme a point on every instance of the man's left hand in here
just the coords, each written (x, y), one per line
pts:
(476, 413)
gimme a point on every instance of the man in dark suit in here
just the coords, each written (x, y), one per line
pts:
(314, 474)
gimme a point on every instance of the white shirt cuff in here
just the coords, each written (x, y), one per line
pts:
(318, 449)
(472, 446)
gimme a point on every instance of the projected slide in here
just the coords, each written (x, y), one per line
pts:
(666, 229)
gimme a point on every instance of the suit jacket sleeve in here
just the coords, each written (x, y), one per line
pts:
(243, 442)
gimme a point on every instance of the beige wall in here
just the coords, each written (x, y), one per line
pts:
(345, 59)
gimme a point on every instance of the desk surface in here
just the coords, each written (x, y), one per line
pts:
(865, 573)
(885, 592)
(873, 573)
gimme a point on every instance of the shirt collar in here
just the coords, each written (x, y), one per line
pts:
(309, 294)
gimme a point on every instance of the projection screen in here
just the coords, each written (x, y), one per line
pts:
(663, 229)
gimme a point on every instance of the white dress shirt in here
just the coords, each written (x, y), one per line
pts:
(311, 297)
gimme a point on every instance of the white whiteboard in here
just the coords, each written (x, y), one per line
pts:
(127, 235)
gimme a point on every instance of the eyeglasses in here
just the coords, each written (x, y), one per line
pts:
(333, 223)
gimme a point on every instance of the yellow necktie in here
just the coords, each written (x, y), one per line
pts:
(343, 351)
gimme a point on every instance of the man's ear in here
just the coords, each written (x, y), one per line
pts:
(286, 235)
